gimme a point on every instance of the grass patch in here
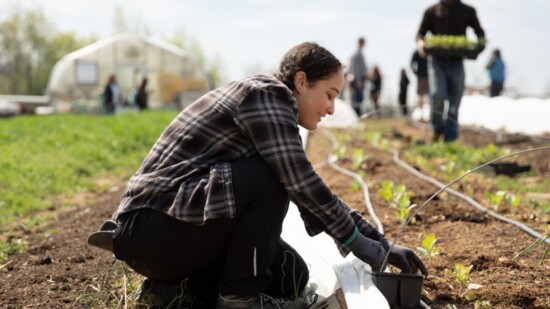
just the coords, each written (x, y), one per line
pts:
(43, 156)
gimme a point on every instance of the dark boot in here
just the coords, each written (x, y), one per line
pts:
(261, 301)
(104, 237)
(159, 294)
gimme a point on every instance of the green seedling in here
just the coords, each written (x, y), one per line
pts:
(460, 272)
(376, 140)
(513, 200)
(429, 247)
(481, 304)
(450, 41)
(359, 157)
(398, 197)
(340, 152)
(449, 167)
(496, 199)
(404, 205)
(355, 185)
(386, 190)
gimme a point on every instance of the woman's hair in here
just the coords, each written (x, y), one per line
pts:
(314, 60)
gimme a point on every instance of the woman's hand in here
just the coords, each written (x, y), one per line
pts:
(406, 260)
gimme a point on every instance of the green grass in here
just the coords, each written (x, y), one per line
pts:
(44, 156)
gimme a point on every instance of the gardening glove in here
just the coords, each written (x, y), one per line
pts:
(368, 250)
(405, 259)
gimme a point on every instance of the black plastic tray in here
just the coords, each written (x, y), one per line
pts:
(400, 290)
(470, 53)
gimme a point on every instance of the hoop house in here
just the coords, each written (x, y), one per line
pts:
(77, 81)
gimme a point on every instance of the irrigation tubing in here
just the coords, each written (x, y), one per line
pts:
(331, 160)
(463, 196)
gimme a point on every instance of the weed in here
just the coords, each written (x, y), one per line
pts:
(11, 246)
(112, 288)
(534, 245)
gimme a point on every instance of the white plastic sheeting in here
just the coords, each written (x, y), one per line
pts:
(527, 115)
(328, 269)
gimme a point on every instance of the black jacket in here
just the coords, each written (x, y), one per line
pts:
(450, 20)
(419, 65)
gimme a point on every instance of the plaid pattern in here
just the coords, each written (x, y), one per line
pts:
(187, 173)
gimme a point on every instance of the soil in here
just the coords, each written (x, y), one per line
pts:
(59, 270)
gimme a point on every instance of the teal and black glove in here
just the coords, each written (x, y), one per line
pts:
(368, 250)
(406, 260)
(373, 248)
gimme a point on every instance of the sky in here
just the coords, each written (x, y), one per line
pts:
(251, 36)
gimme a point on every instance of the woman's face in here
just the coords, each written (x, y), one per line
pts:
(317, 101)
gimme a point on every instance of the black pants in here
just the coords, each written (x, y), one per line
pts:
(496, 88)
(403, 102)
(242, 256)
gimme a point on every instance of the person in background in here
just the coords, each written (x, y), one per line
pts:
(419, 66)
(142, 95)
(446, 73)
(358, 77)
(207, 204)
(403, 87)
(112, 96)
(375, 88)
(497, 70)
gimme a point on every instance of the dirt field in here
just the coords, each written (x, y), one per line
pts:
(60, 271)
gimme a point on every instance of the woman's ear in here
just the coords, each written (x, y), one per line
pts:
(300, 81)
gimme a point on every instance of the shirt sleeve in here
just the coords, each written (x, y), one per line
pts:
(424, 25)
(269, 118)
(474, 23)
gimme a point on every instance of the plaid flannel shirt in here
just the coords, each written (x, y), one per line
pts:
(187, 173)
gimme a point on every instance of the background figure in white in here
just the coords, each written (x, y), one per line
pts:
(358, 73)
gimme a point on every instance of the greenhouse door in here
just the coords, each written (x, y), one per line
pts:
(129, 77)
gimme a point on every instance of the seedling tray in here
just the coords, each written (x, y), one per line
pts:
(400, 290)
(509, 169)
(469, 52)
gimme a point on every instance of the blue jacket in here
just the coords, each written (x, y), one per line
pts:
(496, 69)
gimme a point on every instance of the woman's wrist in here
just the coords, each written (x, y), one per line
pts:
(352, 237)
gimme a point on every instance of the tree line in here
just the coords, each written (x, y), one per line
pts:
(30, 46)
